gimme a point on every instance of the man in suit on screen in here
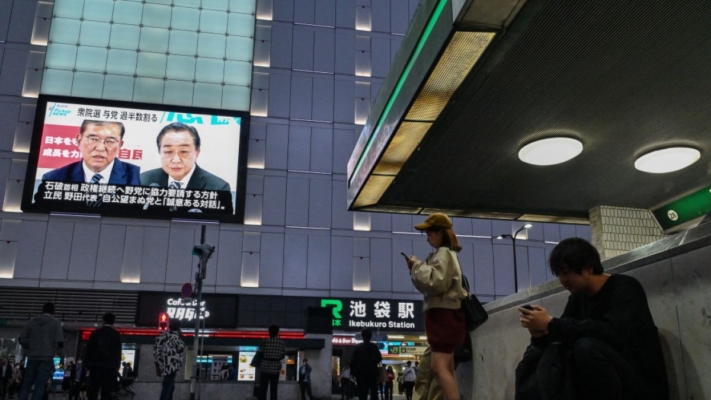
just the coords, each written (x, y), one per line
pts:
(99, 143)
(179, 148)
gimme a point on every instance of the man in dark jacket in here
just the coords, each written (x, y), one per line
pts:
(607, 324)
(305, 380)
(364, 366)
(103, 359)
(42, 339)
(99, 143)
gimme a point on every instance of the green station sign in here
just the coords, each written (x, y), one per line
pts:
(685, 209)
(376, 314)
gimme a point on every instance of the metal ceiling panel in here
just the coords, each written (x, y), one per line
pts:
(623, 77)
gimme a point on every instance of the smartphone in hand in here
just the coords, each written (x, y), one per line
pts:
(405, 255)
(527, 307)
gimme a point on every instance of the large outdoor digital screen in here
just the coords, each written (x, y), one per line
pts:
(139, 160)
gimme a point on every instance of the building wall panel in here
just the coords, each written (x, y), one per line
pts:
(229, 267)
(154, 262)
(271, 267)
(85, 245)
(30, 250)
(341, 263)
(57, 250)
(297, 202)
(295, 260)
(320, 203)
(274, 209)
(180, 259)
(324, 50)
(381, 267)
(111, 245)
(318, 275)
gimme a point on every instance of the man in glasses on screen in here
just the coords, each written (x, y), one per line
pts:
(99, 144)
(179, 148)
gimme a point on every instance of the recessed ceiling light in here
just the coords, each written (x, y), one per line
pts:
(550, 151)
(667, 160)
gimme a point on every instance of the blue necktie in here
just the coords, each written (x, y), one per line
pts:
(174, 185)
(95, 179)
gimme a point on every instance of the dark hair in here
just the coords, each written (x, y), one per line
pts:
(178, 127)
(273, 330)
(367, 335)
(449, 239)
(575, 255)
(48, 308)
(88, 122)
(108, 318)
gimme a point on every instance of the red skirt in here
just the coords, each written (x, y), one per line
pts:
(445, 329)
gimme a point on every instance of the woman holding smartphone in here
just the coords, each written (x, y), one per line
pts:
(439, 279)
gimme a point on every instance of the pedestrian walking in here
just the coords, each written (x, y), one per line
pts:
(409, 374)
(346, 384)
(390, 378)
(42, 339)
(305, 380)
(77, 390)
(167, 353)
(5, 377)
(364, 366)
(103, 359)
(15, 382)
(273, 351)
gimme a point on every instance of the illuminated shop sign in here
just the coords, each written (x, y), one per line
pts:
(357, 314)
(407, 350)
(218, 311)
(345, 340)
(184, 309)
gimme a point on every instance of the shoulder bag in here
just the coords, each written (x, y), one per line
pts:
(473, 310)
(257, 359)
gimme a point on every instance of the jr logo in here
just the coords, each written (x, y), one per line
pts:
(336, 310)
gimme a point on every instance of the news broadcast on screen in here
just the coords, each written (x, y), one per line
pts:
(129, 159)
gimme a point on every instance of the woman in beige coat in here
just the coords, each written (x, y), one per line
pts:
(439, 279)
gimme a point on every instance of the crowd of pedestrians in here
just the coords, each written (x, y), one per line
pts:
(606, 321)
(367, 378)
(42, 340)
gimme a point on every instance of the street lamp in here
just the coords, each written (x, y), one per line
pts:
(513, 238)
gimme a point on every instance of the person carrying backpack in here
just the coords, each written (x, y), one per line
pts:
(409, 375)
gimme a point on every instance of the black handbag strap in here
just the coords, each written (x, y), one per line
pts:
(465, 283)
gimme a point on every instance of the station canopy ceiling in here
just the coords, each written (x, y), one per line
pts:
(477, 80)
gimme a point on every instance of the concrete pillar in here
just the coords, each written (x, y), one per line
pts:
(617, 230)
(321, 371)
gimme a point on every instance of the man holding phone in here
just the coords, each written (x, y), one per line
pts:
(606, 323)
